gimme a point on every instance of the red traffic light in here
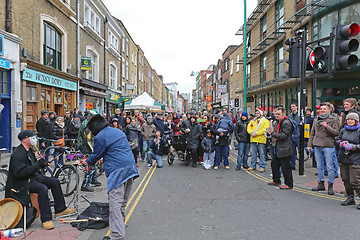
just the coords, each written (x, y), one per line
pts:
(350, 30)
(354, 29)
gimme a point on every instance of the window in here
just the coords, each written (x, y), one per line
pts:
(5, 82)
(30, 93)
(248, 44)
(263, 68)
(113, 41)
(52, 47)
(263, 28)
(92, 74)
(127, 47)
(132, 56)
(226, 65)
(248, 75)
(231, 66)
(123, 44)
(91, 19)
(135, 61)
(127, 70)
(237, 63)
(123, 68)
(112, 75)
(279, 13)
(279, 58)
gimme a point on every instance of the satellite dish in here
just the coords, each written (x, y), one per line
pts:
(1, 107)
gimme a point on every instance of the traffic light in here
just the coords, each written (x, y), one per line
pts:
(321, 54)
(345, 45)
(293, 60)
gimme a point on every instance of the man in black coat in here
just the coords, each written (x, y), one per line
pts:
(24, 178)
(283, 149)
(67, 119)
(193, 132)
(243, 139)
(119, 117)
(44, 128)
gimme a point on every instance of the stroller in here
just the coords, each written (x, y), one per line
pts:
(177, 147)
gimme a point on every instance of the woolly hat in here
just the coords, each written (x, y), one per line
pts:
(217, 112)
(76, 116)
(44, 112)
(353, 116)
(245, 114)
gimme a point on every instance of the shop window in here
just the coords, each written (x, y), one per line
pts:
(58, 97)
(5, 82)
(30, 93)
(263, 28)
(279, 58)
(52, 47)
(67, 101)
(263, 68)
(45, 99)
(353, 92)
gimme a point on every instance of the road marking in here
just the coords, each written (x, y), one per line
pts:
(297, 189)
(128, 215)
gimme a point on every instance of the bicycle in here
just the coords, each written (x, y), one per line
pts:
(3, 177)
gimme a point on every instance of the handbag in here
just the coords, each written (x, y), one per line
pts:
(134, 144)
(60, 142)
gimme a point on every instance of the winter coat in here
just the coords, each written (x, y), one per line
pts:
(193, 137)
(168, 129)
(72, 132)
(148, 131)
(132, 132)
(58, 132)
(343, 119)
(284, 146)
(208, 144)
(112, 145)
(120, 119)
(321, 136)
(22, 167)
(159, 124)
(67, 122)
(241, 133)
(224, 140)
(44, 129)
(175, 122)
(158, 146)
(260, 134)
(184, 124)
(353, 137)
(295, 117)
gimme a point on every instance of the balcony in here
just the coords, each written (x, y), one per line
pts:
(63, 6)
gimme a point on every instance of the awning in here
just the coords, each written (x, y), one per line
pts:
(91, 92)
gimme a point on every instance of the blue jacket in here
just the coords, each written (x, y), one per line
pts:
(112, 145)
(159, 124)
(208, 144)
(157, 148)
(225, 123)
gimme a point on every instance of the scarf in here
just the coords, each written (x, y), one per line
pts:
(61, 125)
(46, 120)
(76, 124)
(278, 126)
(351, 128)
(323, 117)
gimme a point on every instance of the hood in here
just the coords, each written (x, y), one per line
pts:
(96, 124)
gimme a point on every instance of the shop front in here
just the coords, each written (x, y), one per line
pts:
(92, 96)
(46, 89)
(113, 101)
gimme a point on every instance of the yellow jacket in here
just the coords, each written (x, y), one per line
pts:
(260, 134)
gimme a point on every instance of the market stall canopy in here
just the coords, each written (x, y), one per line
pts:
(144, 101)
(167, 109)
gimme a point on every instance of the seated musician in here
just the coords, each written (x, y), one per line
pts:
(24, 178)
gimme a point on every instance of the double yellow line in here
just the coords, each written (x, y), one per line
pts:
(128, 215)
(297, 189)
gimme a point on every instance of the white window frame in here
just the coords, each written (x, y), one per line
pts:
(123, 44)
(113, 40)
(127, 70)
(112, 81)
(132, 56)
(231, 66)
(123, 68)
(237, 63)
(95, 65)
(127, 47)
(91, 19)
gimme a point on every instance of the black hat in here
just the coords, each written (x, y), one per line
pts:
(25, 134)
(44, 112)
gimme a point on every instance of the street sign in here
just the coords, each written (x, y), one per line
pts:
(85, 63)
(4, 63)
(222, 88)
(312, 58)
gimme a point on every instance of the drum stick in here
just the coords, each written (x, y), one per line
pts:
(24, 219)
(71, 221)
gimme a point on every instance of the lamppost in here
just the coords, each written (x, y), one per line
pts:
(245, 55)
(198, 83)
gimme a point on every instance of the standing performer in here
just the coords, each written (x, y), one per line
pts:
(112, 145)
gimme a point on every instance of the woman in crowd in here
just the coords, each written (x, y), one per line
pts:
(132, 132)
(115, 123)
(175, 121)
(126, 122)
(74, 127)
(168, 127)
(349, 157)
(59, 133)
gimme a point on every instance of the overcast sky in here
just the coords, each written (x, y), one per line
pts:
(178, 37)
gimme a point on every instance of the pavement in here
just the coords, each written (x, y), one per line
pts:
(65, 231)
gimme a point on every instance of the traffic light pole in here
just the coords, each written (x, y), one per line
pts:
(302, 99)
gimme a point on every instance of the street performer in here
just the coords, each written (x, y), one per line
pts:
(24, 178)
(112, 145)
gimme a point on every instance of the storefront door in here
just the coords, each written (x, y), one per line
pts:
(5, 124)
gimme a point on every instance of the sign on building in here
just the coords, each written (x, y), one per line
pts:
(85, 63)
(222, 88)
(209, 98)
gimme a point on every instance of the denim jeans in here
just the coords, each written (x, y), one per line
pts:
(243, 154)
(145, 149)
(335, 165)
(322, 155)
(158, 158)
(61, 158)
(255, 149)
(293, 156)
(221, 150)
(209, 156)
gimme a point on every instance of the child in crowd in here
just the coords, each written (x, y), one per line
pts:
(208, 144)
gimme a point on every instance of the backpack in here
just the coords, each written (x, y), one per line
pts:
(95, 210)
(296, 133)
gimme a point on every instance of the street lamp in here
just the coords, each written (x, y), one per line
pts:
(198, 83)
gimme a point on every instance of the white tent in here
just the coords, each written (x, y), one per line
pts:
(143, 102)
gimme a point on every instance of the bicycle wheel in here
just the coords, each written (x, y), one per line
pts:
(69, 179)
(99, 169)
(170, 158)
(3, 178)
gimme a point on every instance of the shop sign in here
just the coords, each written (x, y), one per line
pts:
(209, 98)
(222, 88)
(1, 45)
(216, 105)
(4, 63)
(113, 97)
(89, 105)
(39, 77)
(209, 106)
(85, 63)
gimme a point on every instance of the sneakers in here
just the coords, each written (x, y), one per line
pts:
(285, 187)
(87, 189)
(273, 183)
(250, 169)
(65, 212)
(149, 165)
(48, 225)
(216, 168)
(96, 184)
(227, 167)
(262, 170)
